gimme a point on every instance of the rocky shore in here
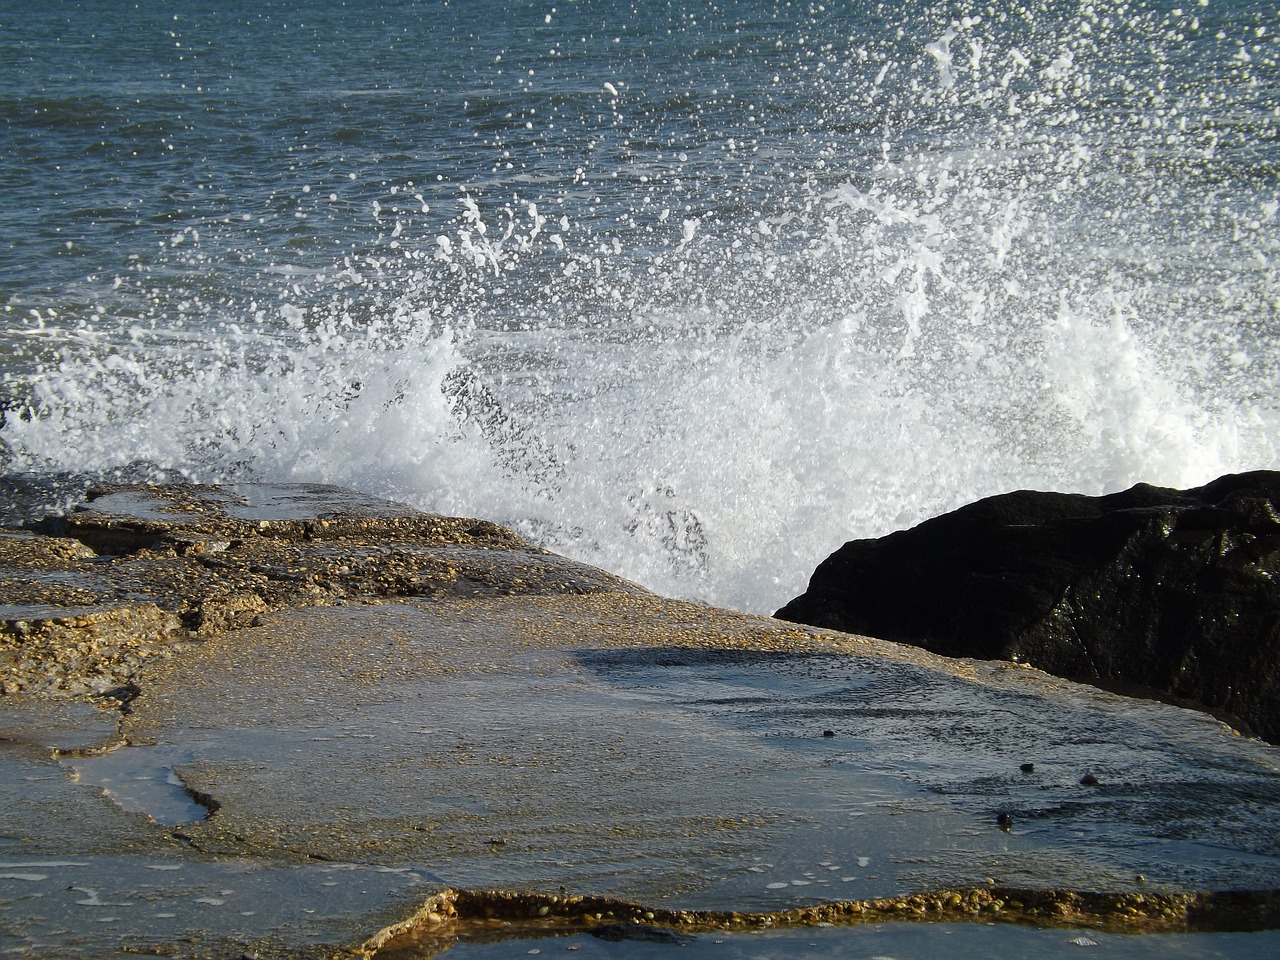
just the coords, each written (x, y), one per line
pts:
(1167, 593)
(294, 721)
(141, 573)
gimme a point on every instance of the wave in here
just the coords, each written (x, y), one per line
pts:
(1003, 255)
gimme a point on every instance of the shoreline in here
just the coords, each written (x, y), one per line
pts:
(350, 690)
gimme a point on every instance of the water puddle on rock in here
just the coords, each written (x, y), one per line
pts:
(143, 780)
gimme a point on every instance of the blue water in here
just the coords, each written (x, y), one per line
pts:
(692, 292)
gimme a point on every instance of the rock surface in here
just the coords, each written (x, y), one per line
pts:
(136, 573)
(293, 722)
(1176, 591)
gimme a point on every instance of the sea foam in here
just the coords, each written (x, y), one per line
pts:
(1011, 252)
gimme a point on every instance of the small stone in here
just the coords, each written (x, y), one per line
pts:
(1089, 780)
(1004, 821)
(828, 734)
(1028, 768)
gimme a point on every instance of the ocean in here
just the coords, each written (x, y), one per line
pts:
(691, 291)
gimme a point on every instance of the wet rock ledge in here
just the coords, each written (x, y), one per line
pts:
(295, 722)
(138, 572)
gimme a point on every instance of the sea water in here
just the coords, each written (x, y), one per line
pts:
(695, 292)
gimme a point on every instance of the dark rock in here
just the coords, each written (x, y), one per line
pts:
(1173, 591)
(617, 932)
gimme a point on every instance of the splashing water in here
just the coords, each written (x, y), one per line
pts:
(694, 303)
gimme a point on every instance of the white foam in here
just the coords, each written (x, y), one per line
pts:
(1021, 290)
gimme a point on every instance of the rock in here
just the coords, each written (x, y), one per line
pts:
(137, 571)
(349, 729)
(617, 932)
(1174, 591)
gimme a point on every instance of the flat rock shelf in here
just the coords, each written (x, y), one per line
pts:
(291, 721)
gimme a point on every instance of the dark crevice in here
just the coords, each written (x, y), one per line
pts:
(202, 799)
(121, 698)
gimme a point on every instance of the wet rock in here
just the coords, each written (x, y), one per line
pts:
(391, 722)
(1176, 592)
(135, 571)
(617, 932)
(82, 651)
